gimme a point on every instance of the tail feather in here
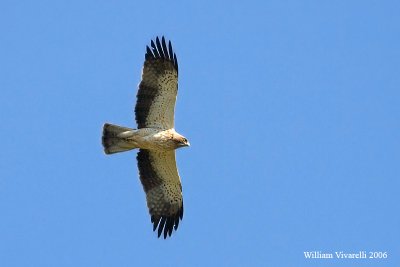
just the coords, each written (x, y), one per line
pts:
(112, 142)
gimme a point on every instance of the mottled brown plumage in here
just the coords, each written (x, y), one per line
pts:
(155, 137)
(158, 89)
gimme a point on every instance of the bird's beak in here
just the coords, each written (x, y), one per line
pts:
(187, 143)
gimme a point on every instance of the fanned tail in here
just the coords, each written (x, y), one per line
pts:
(112, 140)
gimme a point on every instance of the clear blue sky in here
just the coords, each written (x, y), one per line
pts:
(292, 109)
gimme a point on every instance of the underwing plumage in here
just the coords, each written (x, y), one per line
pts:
(155, 137)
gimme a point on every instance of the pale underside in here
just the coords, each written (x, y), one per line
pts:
(166, 198)
(162, 108)
(161, 182)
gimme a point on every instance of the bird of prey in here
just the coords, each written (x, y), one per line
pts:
(155, 137)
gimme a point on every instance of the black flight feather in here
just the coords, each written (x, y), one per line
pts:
(160, 50)
(165, 49)
(149, 53)
(156, 54)
(161, 226)
(171, 53)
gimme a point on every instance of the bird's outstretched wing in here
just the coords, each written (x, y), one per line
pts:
(157, 92)
(162, 185)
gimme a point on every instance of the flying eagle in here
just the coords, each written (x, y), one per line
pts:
(155, 137)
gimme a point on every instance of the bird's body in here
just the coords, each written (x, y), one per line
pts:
(155, 137)
(145, 138)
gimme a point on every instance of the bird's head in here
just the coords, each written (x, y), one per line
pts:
(181, 141)
(184, 142)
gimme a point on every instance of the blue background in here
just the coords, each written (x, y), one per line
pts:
(292, 109)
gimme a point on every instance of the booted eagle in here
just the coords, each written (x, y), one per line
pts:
(155, 137)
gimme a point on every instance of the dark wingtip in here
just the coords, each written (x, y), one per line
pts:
(166, 224)
(176, 62)
(161, 226)
(155, 220)
(164, 47)
(171, 53)
(181, 212)
(149, 53)
(155, 51)
(171, 228)
(159, 49)
(176, 223)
